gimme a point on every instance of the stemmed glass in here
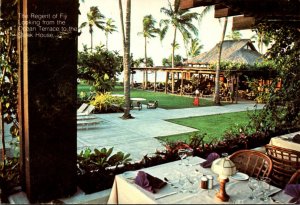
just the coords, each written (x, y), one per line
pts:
(265, 186)
(253, 184)
(189, 155)
(182, 155)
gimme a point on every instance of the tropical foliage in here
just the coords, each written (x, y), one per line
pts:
(105, 102)
(180, 20)
(282, 111)
(178, 61)
(94, 18)
(8, 71)
(149, 31)
(99, 67)
(109, 28)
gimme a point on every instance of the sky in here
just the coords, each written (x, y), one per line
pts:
(210, 29)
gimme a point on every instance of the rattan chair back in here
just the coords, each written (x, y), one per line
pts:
(285, 163)
(252, 162)
(295, 179)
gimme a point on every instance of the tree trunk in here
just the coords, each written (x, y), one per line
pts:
(217, 81)
(126, 60)
(146, 63)
(173, 55)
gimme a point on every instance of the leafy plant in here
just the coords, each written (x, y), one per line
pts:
(105, 102)
(99, 66)
(93, 168)
(9, 177)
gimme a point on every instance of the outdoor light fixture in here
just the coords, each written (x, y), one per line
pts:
(224, 167)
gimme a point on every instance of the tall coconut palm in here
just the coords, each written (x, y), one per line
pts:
(95, 18)
(217, 81)
(126, 56)
(149, 31)
(180, 20)
(109, 28)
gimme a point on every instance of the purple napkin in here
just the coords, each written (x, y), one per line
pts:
(294, 191)
(209, 160)
(149, 182)
(296, 138)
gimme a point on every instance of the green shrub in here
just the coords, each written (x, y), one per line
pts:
(105, 102)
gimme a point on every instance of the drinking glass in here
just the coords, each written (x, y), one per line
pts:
(182, 155)
(265, 187)
(253, 184)
(189, 155)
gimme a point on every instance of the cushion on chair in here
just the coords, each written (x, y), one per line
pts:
(152, 104)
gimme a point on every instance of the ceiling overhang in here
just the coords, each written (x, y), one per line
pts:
(248, 13)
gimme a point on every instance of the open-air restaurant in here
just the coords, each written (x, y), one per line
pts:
(269, 175)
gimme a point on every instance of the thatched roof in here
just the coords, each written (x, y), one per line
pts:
(242, 51)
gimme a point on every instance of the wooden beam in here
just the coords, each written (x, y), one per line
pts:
(241, 23)
(188, 4)
(224, 11)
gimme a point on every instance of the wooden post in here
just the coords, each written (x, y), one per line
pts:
(48, 94)
(155, 79)
(166, 82)
(172, 75)
(181, 84)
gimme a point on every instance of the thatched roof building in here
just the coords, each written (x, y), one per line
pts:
(242, 51)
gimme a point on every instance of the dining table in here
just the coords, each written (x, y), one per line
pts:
(183, 187)
(286, 141)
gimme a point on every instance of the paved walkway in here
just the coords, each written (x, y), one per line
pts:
(137, 136)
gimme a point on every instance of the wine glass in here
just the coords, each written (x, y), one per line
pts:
(182, 155)
(265, 187)
(253, 184)
(189, 155)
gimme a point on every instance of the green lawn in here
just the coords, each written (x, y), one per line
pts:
(166, 101)
(213, 125)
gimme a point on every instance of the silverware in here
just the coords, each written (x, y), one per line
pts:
(168, 182)
(165, 195)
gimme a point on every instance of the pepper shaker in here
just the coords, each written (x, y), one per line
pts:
(203, 182)
(210, 182)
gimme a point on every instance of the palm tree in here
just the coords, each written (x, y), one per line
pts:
(180, 20)
(126, 58)
(234, 35)
(217, 81)
(263, 39)
(194, 48)
(109, 28)
(95, 18)
(149, 31)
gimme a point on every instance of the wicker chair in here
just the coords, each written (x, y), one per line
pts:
(253, 163)
(285, 163)
(295, 179)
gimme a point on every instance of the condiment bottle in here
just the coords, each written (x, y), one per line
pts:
(203, 182)
(210, 181)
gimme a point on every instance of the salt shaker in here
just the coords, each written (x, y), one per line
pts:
(209, 181)
(203, 182)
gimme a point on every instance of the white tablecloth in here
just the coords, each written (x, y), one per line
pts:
(285, 141)
(125, 191)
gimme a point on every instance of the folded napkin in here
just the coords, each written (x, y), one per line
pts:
(294, 191)
(149, 182)
(209, 160)
(296, 138)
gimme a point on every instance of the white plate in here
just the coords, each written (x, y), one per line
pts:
(240, 176)
(130, 174)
